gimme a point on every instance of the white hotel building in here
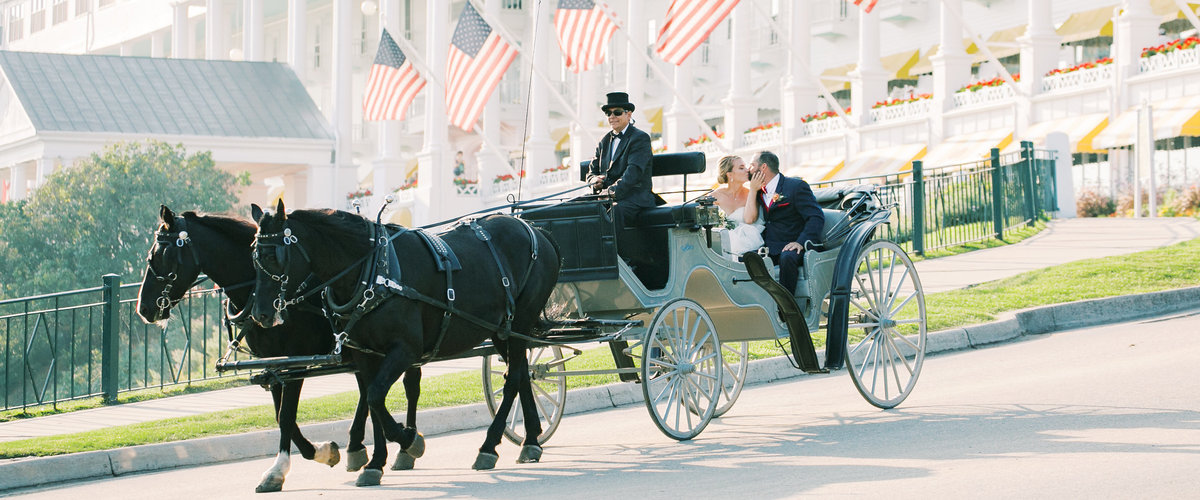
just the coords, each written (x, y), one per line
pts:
(771, 61)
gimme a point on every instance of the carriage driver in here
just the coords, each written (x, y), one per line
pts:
(622, 163)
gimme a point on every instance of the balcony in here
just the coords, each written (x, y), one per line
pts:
(906, 111)
(901, 11)
(987, 95)
(825, 126)
(1098, 75)
(763, 139)
(708, 148)
(1170, 60)
(834, 19)
(555, 177)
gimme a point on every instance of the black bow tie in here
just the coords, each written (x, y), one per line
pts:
(617, 136)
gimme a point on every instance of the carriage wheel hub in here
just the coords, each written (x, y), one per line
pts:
(887, 323)
(686, 367)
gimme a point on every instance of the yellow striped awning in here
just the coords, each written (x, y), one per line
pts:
(1002, 43)
(1081, 130)
(899, 65)
(835, 78)
(1172, 118)
(965, 148)
(655, 117)
(879, 161)
(1087, 24)
(924, 65)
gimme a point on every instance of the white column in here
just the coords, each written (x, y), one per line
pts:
(20, 183)
(157, 42)
(799, 94)
(388, 167)
(297, 34)
(435, 178)
(539, 149)
(635, 64)
(490, 161)
(588, 110)
(252, 30)
(344, 175)
(1039, 47)
(868, 82)
(740, 110)
(45, 167)
(679, 125)
(181, 31)
(1135, 29)
(215, 38)
(951, 68)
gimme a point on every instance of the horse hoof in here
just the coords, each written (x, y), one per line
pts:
(485, 461)
(356, 460)
(404, 461)
(328, 454)
(417, 448)
(530, 453)
(270, 483)
(369, 477)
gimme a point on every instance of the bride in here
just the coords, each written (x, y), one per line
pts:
(740, 208)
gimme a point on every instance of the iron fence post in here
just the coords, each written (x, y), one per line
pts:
(918, 224)
(110, 344)
(997, 195)
(1027, 180)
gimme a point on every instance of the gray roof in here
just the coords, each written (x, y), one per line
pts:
(155, 96)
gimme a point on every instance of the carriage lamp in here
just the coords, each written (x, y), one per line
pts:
(708, 214)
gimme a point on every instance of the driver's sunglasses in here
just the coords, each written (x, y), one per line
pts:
(614, 112)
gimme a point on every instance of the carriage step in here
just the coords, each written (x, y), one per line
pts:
(802, 345)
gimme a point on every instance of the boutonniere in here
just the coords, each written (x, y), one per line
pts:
(777, 198)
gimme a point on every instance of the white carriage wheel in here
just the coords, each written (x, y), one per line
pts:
(885, 331)
(734, 366)
(681, 370)
(549, 391)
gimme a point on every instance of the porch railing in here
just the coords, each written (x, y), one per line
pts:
(1080, 78)
(1170, 60)
(982, 96)
(906, 111)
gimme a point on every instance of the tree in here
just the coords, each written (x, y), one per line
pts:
(99, 216)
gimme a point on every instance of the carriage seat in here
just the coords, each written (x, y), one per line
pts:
(835, 197)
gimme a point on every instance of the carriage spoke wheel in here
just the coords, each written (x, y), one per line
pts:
(549, 391)
(734, 365)
(885, 345)
(681, 369)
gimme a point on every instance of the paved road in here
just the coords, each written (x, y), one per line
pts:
(1101, 412)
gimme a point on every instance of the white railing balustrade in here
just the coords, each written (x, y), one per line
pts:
(824, 126)
(767, 138)
(554, 178)
(906, 111)
(985, 95)
(500, 189)
(1170, 60)
(1078, 78)
(405, 196)
(466, 189)
(365, 202)
(708, 148)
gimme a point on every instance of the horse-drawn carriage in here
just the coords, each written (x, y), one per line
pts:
(678, 322)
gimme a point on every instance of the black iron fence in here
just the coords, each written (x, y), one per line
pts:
(87, 343)
(968, 202)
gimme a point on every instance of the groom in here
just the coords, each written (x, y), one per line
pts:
(792, 217)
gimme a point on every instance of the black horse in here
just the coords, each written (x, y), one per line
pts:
(219, 246)
(405, 305)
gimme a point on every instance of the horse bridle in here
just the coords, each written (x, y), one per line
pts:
(282, 243)
(180, 240)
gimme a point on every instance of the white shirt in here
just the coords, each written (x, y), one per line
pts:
(770, 189)
(616, 141)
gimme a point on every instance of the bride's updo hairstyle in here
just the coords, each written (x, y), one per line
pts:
(724, 166)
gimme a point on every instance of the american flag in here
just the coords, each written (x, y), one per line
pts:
(584, 29)
(4, 194)
(478, 59)
(688, 23)
(870, 4)
(392, 84)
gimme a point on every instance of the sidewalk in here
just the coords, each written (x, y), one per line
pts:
(1063, 241)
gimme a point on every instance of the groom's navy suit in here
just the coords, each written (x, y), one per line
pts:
(793, 216)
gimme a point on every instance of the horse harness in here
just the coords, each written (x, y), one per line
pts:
(380, 277)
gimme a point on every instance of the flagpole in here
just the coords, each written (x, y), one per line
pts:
(707, 130)
(412, 53)
(514, 41)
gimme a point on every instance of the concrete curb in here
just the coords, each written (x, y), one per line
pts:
(23, 473)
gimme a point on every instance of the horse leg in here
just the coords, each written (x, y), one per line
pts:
(531, 450)
(406, 458)
(356, 453)
(396, 362)
(487, 453)
(272, 478)
(326, 453)
(372, 471)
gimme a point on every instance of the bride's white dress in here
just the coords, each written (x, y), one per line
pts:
(744, 237)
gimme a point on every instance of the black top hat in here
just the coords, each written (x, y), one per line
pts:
(617, 100)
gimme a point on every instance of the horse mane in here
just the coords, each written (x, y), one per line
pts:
(344, 227)
(226, 224)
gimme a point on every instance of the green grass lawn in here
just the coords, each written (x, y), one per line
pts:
(1160, 269)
